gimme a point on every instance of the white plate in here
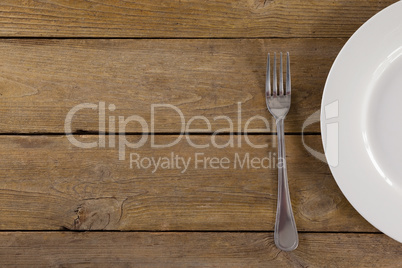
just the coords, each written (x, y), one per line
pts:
(361, 120)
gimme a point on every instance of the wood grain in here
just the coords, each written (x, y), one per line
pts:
(105, 249)
(42, 80)
(190, 18)
(49, 184)
(205, 58)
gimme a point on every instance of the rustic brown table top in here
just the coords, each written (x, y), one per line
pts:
(62, 205)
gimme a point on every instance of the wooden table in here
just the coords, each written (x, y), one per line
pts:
(61, 205)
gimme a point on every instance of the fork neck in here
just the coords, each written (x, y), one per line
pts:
(280, 124)
(281, 145)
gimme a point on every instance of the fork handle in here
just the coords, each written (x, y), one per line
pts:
(285, 235)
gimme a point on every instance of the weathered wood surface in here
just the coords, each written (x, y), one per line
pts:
(192, 18)
(192, 249)
(42, 80)
(204, 57)
(49, 184)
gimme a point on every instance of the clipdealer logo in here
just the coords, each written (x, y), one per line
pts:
(117, 138)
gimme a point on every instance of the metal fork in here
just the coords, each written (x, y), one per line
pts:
(278, 103)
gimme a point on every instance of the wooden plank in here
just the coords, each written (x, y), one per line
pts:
(42, 80)
(191, 18)
(49, 184)
(194, 249)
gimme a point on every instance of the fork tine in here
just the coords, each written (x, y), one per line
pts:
(268, 77)
(288, 82)
(280, 76)
(275, 84)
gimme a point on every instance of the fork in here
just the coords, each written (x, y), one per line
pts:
(278, 103)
